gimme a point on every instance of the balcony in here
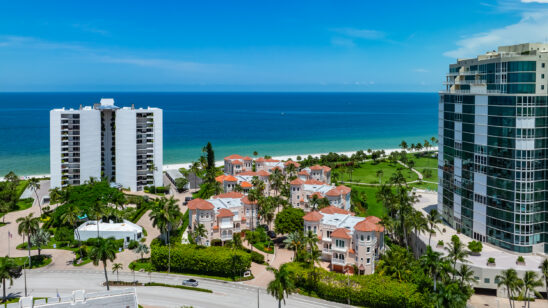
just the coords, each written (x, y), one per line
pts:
(327, 251)
(339, 249)
(338, 261)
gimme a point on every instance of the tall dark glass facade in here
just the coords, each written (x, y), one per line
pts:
(493, 130)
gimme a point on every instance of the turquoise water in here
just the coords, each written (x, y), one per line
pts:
(270, 123)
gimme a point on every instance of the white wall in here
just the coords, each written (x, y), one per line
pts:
(55, 147)
(158, 146)
(126, 148)
(90, 144)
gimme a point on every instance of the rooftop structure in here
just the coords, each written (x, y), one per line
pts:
(125, 230)
(121, 298)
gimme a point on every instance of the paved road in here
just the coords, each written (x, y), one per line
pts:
(42, 282)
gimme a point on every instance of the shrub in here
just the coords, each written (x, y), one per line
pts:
(440, 243)
(491, 261)
(367, 290)
(289, 220)
(133, 244)
(521, 259)
(257, 257)
(64, 234)
(475, 247)
(217, 261)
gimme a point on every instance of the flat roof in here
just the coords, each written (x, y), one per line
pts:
(126, 226)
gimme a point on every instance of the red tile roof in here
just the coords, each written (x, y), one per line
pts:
(200, 204)
(215, 227)
(290, 162)
(339, 190)
(313, 216)
(248, 173)
(232, 195)
(326, 169)
(334, 210)
(316, 167)
(351, 250)
(269, 160)
(245, 200)
(225, 213)
(245, 184)
(247, 158)
(313, 182)
(234, 156)
(303, 172)
(237, 162)
(341, 233)
(369, 225)
(230, 178)
(316, 194)
(263, 173)
(296, 182)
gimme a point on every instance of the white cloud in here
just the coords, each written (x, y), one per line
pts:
(158, 63)
(534, 1)
(533, 27)
(361, 33)
(420, 70)
(345, 42)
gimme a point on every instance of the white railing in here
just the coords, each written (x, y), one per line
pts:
(338, 261)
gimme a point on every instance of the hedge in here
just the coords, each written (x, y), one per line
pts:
(257, 257)
(216, 261)
(374, 290)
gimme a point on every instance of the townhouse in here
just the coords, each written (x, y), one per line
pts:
(302, 192)
(222, 216)
(348, 242)
(235, 164)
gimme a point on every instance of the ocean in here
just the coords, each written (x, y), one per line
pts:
(269, 123)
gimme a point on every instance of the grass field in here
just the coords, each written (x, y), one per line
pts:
(367, 173)
(422, 163)
(374, 208)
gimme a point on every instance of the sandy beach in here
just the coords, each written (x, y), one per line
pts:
(221, 162)
(287, 157)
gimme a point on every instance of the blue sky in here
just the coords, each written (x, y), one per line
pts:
(252, 45)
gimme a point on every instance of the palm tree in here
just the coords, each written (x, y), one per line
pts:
(166, 216)
(141, 249)
(39, 239)
(8, 271)
(431, 261)
(28, 225)
(509, 279)
(313, 202)
(455, 251)
(433, 219)
(34, 185)
(282, 285)
(116, 267)
(97, 210)
(380, 173)
(103, 251)
(199, 232)
(530, 283)
(544, 272)
(466, 275)
(237, 240)
(71, 217)
(295, 242)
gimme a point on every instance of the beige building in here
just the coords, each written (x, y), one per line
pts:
(346, 240)
(235, 164)
(222, 216)
(301, 192)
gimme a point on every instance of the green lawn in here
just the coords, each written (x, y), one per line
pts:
(37, 261)
(367, 173)
(374, 208)
(423, 163)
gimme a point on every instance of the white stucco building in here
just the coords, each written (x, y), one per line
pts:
(124, 145)
(125, 230)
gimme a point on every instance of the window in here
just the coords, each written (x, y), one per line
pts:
(361, 237)
(368, 261)
(543, 65)
(339, 243)
(542, 87)
(329, 234)
(542, 76)
(314, 229)
(486, 280)
(369, 238)
(368, 249)
(309, 228)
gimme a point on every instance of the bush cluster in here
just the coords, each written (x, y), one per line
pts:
(257, 257)
(216, 261)
(369, 290)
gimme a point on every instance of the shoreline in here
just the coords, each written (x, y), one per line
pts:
(280, 157)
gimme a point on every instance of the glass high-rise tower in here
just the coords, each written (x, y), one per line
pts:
(493, 132)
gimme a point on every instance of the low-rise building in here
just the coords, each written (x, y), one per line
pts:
(244, 180)
(301, 192)
(346, 240)
(235, 164)
(222, 216)
(125, 230)
(120, 298)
